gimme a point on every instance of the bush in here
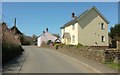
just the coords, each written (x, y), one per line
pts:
(79, 45)
(10, 51)
(10, 44)
(48, 42)
(26, 40)
(56, 45)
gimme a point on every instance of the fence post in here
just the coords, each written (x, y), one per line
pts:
(118, 45)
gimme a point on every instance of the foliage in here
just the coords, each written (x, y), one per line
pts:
(49, 41)
(115, 32)
(79, 45)
(28, 40)
(113, 65)
(10, 51)
(10, 45)
(57, 35)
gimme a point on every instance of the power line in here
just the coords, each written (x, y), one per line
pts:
(6, 17)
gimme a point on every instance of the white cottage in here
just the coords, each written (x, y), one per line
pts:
(45, 37)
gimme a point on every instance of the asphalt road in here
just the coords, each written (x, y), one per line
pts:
(42, 60)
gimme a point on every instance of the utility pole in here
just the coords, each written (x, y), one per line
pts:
(15, 22)
(14, 25)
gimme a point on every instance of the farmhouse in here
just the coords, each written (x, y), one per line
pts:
(45, 37)
(89, 29)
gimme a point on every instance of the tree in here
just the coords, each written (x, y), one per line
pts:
(26, 40)
(34, 37)
(115, 32)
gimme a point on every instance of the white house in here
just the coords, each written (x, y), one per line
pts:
(45, 37)
(89, 29)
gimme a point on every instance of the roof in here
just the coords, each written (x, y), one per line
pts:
(17, 31)
(45, 33)
(82, 15)
(47, 36)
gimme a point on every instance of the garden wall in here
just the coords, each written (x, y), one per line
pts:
(99, 55)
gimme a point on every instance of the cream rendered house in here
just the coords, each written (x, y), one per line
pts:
(88, 29)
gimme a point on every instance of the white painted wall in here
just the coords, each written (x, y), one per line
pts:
(45, 37)
(74, 32)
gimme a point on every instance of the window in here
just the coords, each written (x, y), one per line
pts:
(102, 26)
(73, 38)
(73, 27)
(103, 39)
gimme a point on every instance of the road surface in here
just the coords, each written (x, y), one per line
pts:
(42, 60)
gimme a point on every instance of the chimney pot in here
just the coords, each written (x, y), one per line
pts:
(73, 15)
(46, 29)
(43, 31)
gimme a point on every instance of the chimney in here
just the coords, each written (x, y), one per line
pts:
(43, 32)
(46, 29)
(73, 15)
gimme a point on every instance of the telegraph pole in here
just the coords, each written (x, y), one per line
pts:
(14, 25)
(15, 22)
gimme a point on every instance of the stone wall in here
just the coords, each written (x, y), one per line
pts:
(96, 54)
(99, 55)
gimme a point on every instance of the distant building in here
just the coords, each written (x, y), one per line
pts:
(45, 37)
(89, 29)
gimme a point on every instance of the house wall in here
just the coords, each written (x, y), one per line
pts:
(90, 31)
(62, 33)
(39, 41)
(72, 32)
(45, 37)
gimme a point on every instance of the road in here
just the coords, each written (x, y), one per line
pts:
(42, 60)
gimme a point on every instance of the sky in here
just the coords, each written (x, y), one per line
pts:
(34, 17)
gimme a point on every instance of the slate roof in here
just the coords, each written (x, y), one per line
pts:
(82, 15)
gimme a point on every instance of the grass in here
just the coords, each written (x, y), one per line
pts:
(113, 65)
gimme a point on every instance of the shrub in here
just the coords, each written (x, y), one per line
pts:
(49, 41)
(10, 45)
(10, 51)
(79, 45)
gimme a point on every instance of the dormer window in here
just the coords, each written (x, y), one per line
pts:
(102, 26)
(73, 27)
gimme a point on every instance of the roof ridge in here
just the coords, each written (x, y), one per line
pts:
(85, 12)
